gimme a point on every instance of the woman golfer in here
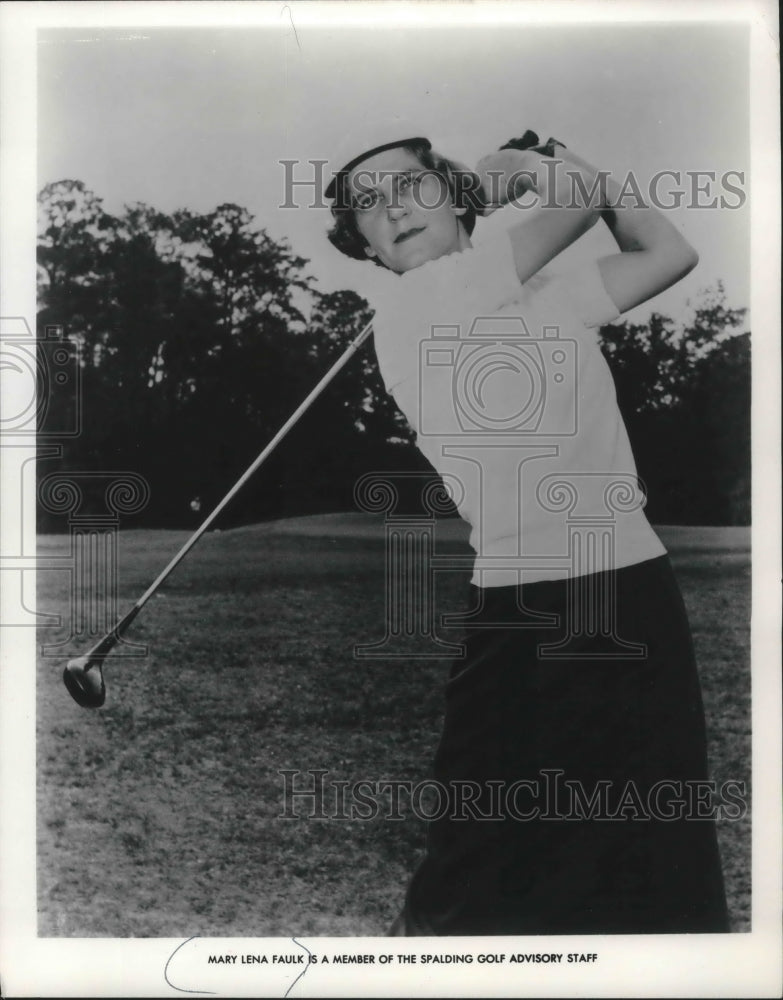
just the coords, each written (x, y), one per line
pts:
(572, 758)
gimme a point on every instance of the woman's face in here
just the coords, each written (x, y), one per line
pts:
(404, 211)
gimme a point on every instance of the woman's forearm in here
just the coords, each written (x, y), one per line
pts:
(635, 226)
(572, 196)
(654, 254)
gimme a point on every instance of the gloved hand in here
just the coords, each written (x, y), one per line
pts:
(530, 141)
(503, 174)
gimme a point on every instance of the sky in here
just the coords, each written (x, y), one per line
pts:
(194, 117)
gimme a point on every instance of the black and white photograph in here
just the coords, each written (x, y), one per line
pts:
(390, 569)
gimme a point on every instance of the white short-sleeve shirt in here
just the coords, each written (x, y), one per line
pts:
(514, 405)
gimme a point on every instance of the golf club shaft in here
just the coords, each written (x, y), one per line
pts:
(107, 643)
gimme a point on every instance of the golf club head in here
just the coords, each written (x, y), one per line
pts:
(84, 680)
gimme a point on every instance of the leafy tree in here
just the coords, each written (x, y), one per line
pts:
(200, 334)
(685, 396)
(73, 234)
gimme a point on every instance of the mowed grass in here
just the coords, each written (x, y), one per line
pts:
(159, 814)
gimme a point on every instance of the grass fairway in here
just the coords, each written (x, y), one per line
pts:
(158, 814)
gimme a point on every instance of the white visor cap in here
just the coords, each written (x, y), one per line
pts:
(374, 137)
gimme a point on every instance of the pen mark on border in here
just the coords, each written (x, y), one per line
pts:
(195, 937)
(291, 17)
(166, 971)
(304, 970)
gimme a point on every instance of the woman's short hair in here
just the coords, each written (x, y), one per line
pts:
(464, 190)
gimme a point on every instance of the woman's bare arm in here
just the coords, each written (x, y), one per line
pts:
(572, 196)
(654, 254)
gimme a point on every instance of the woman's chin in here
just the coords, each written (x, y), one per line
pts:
(416, 256)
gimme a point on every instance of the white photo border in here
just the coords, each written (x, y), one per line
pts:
(722, 965)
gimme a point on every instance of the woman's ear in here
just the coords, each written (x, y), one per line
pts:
(369, 250)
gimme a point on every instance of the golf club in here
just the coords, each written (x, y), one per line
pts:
(89, 690)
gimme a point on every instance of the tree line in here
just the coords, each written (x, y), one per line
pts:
(196, 335)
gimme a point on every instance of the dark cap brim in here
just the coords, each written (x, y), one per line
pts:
(331, 187)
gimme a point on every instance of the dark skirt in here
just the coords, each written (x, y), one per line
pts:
(551, 758)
